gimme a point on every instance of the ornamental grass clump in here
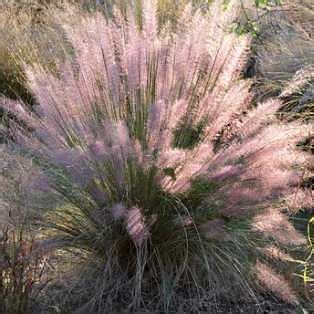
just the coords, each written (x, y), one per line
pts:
(164, 174)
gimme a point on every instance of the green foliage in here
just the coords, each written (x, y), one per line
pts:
(170, 172)
(249, 27)
(12, 81)
(266, 3)
(252, 24)
(194, 199)
(187, 135)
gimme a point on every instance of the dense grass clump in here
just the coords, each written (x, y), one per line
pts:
(152, 211)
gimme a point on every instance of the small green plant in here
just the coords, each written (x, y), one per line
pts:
(266, 3)
(252, 24)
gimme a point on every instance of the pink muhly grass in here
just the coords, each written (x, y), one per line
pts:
(276, 283)
(135, 225)
(108, 120)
